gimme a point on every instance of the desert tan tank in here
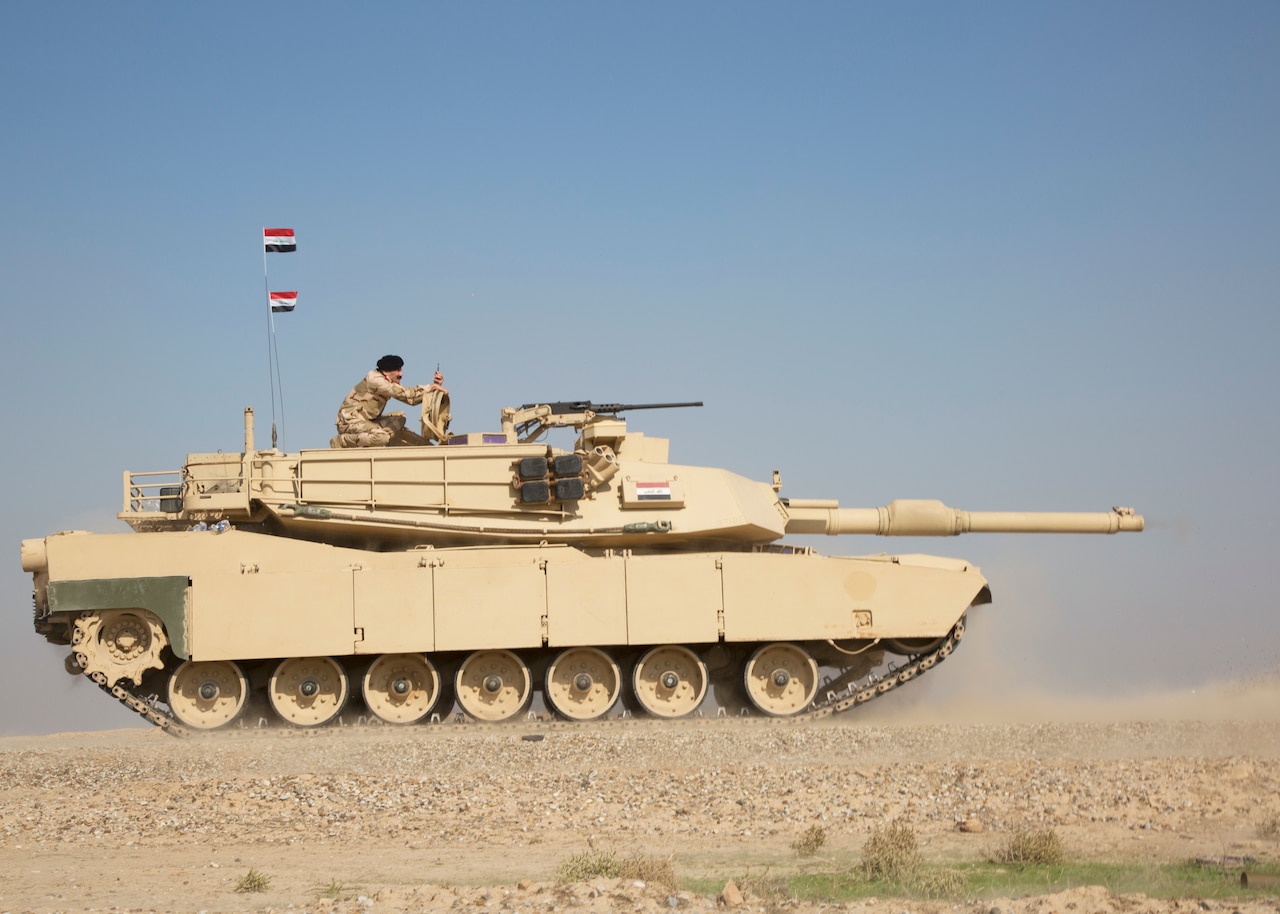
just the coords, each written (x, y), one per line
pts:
(479, 575)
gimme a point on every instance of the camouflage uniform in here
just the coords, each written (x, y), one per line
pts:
(360, 419)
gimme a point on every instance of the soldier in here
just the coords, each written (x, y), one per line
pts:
(360, 419)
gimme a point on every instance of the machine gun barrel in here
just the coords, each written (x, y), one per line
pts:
(562, 407)
(924, 517)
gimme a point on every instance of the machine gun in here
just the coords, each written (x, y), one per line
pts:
(564, 407)
(531, 420)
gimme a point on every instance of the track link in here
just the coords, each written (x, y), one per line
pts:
(851, 697)
(146, 707)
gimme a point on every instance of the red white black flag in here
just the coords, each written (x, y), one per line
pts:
(279, 241)
(283, 301)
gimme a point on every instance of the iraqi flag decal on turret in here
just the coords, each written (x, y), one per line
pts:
(283, 301)
(279, 241)
(653, 491)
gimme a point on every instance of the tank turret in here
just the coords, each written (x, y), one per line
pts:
(614, 489)
(497, 571)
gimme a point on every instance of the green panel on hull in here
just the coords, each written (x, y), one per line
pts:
(166, 597)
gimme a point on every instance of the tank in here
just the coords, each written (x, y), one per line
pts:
(490, 576)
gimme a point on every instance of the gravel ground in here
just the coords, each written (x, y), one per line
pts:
(467, 816)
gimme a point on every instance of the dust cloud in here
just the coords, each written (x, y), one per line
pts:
(1253, 700)
(980, 685)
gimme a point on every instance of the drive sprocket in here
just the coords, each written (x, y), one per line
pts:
(118, 644)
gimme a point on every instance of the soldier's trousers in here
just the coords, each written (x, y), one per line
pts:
(368, 434)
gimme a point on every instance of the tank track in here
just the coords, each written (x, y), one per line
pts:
(145, 706)
(834, 701)
(918, 665)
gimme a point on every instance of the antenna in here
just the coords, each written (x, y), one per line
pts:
(276, 241)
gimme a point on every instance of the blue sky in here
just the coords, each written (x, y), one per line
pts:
(1006, 255)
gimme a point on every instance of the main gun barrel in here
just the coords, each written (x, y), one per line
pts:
(927, 517)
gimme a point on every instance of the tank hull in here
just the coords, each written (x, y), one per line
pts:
(253, 596)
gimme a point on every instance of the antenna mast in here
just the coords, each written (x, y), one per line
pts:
(276, 241)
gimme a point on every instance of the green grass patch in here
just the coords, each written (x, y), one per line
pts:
(1157, 881)
(995, 880)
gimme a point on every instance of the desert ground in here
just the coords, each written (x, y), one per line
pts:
(466, 816)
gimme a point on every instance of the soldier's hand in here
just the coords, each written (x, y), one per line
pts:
(438, 379)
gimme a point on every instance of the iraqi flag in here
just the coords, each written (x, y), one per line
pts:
(653, 491)
(279, 241)
(283, 301)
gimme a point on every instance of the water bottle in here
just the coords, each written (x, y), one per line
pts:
(198, 528)
(221, 526)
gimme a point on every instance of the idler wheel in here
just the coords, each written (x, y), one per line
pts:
(207, 694)
(781, 679)
(670, 681)
(308, 691)
(401, 688)
(493, 685)
(583, 683)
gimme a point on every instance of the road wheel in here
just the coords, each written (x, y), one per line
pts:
(670, 681)
(493, 685)
(583, 683)
(781, 679)
(207, 694)
(401, 688)
(308, 691)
